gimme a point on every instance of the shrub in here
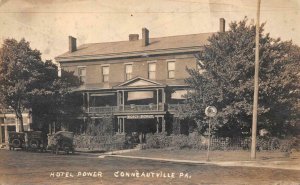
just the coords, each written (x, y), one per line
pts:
(288, 144)
(107, 142)
(195, 141)
(180, 141)
(157, 140)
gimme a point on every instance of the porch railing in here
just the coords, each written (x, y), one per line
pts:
(176, 107)
(127, 108)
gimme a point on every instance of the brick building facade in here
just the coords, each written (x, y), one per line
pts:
(140, 82)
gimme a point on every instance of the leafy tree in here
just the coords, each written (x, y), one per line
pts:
(26, 82)
(227, 81)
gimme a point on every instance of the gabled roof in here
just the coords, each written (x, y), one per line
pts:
(138, 82)
(126, 47)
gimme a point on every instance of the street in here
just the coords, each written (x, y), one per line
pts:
(18, 167)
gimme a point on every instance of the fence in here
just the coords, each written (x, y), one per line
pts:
(230, 143)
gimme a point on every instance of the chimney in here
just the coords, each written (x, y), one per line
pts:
(72, 44)
(145, 37)
(133, 37)
(222, 25)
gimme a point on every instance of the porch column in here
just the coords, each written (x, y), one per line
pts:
(157, 124)
(123, 99)
(157, 99)
(123, 126)
(88, 102)
(5, 131)
(163, 95)
(0, 133)
(119, 129)
(83, 101)
(163, 125)
(118, 98)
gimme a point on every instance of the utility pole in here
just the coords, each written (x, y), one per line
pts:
(256, 85)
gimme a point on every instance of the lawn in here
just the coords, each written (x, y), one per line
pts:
(197, 155)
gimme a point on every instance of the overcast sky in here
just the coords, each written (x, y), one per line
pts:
(46, 24)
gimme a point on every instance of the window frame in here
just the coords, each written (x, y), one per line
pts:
(82, 78)
(130, 74)
(173, 70)
(151, 72)
(105, 75)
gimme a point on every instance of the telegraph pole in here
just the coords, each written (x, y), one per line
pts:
(256, 85)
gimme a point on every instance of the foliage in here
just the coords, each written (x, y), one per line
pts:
(157, 140)
(101, 127)
(26, 82)
(227, 82)
(106, 143)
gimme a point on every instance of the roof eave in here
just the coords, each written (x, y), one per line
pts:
(145, 53)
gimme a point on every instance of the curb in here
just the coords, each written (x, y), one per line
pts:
(274, 165)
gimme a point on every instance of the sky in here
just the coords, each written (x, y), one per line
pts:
(46, 24)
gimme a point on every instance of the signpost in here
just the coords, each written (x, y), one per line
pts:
(210, 112)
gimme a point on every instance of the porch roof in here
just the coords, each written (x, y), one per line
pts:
(135, 83)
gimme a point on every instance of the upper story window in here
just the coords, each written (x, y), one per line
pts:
(82, 74)
(105, 73)
(152, 71)
(171, 69)
(128, 71)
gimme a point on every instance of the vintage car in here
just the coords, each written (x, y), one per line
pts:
(61, 141)
(34, 141)
(16, 140)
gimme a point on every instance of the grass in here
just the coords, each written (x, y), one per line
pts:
(197, 155)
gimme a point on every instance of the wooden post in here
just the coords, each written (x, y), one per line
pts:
(119, 129)
(123, 99)
(256, 85)
(5, 131)
(163, 125)
(88, 101)
(208, 144)
(123, 126)
(1, 132)
(157, 124)
(157, 99)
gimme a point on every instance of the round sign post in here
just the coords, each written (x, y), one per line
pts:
(210, 112)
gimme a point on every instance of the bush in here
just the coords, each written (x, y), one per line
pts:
(157, 140)
(268, 143)
(108, 142)
(288, 144)
(180, 141)
(195, 141)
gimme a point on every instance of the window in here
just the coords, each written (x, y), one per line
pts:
(105, 73)
(152, 71)
(81, 74)
(171, 69)
(128, 71)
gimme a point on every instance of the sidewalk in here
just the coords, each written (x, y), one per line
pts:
(276, 160)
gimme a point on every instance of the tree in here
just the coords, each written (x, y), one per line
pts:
(26, 82)
(227, 83)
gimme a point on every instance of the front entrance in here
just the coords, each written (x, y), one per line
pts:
(136, 127)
